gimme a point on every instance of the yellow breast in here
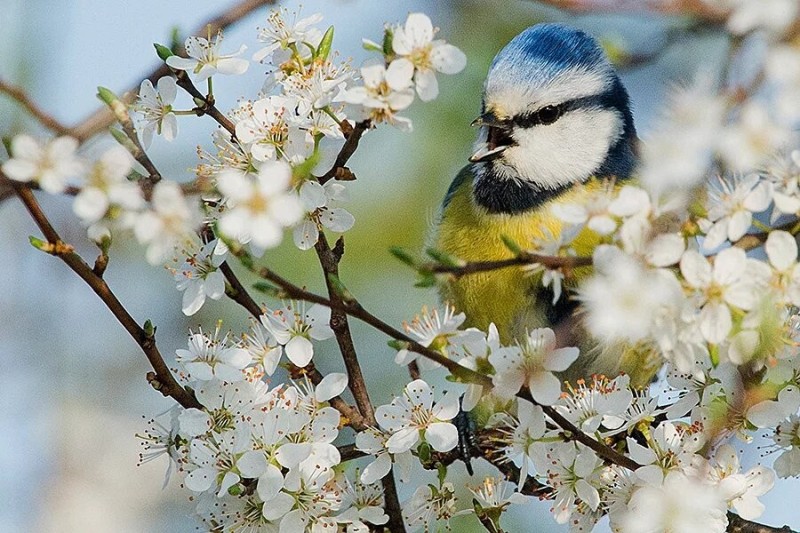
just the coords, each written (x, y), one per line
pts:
(506, 297)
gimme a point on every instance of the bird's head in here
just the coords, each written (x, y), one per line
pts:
(554, 112)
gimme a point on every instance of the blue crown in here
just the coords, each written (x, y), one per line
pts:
(538, 54)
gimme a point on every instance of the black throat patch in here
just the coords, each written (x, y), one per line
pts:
(501, 195)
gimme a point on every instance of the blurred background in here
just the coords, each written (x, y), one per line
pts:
(72, 387)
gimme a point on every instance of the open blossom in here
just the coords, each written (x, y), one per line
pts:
(532, 364)
(210, 357)
(428, 505)
(199, 278)
(413, 416)
(593, 212)
(107, 193)
(259, 207)
(50, 165)
(415, 47)
(519, 435)
(774, 16)
(572, 473)
(264, 126)
(155, 106)
(205, 59)
(679, 504)
(384, 93)
(600, 401)
(436, 330)
(732, 203)
(293, 327)
(317, 200)
(280, 34)
(753, 139)
(787, 440)
(718, 287)
(374, 442)
(169, 222)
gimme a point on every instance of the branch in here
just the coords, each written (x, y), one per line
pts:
(162, 379)
(48, 121)
(696, 8)
(350, 146)
(522, 258)
(207, 107)
(102, 118)
(737, 524)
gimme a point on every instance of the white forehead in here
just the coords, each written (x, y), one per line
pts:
(508, 99)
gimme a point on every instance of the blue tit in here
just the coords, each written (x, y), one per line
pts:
(555, 126)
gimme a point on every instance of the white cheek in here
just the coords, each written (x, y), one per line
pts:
(564, 152)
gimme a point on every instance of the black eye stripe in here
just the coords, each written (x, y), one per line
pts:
(549, 114)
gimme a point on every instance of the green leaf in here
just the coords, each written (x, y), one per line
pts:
(267, 288)
(442, 471)
(107, 96)
(388, 37)
(149, 328)
(398, 345)
(162, 51)
(425, 281)
(444, 258)
(39, 244)
(403, 256)
(424, 452)
(511, 244)
(324, 48)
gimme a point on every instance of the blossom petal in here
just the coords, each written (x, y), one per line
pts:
(442, 436)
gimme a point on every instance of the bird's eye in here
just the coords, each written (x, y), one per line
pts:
(549, 114)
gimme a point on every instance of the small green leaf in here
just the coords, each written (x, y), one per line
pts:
(398, 345)
(403, 256)
(425, 281)
(235, 490)
(444, 258)
(324, 48)
(511, 244)
(149, 328)
(107, 96)
(266, 288)
(338, 286)
(442, 471)
(424, 452)
(371, 46)
(162, 51)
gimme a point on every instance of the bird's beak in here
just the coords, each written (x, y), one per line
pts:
(498, 138)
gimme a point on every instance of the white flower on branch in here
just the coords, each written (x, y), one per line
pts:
(428, 505)
(532, 365)
(155, 106)
(205, 59)
(416, 49)
(199, 278)
(259, 207)
(107, 196)
(749, 142)
(413, 417)
(572, 473)
(317, 200)
(731, 204)
(363, 504)
(601, 401)
(784, 174)
(265, 352)
(718, 288)
(264, 126)
(681, 503)
(495, 494)
(774, 16)
(374, 442)
(438, 331)
(280, 34)
(294, 327)
(384, 93)
(168, 223)
(210, 357)
(519, 435)
(787, 439)
(50, 165)
(740, 490)
(671, 448)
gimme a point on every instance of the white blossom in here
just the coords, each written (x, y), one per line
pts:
(205, 59)
(199, 278)
(731, 204)
(155, 106)
(169, 222)
(417, 50)
(384, 93)
(280, 34)
(294, 327)
(210, 357)
(317, 200)
(50, 165)
(428, 505)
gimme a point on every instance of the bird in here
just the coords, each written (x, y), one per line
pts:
(555, 125)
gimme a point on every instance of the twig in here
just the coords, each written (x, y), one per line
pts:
(162, 380)
(737, 524)
(102, 119)
(350, 146)
(523, 258)
(207, 106)
(48, 121)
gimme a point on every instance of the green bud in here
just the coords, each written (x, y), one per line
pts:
(398, 345)
(388, 37)
(511, 244)
(235, 490)
(403, 256)
(162, 51)
(7, 145)
(425, 280)
(424, 452)
(123, 140)
(39, 244)
(324, 48)
(149, 328)
(339, 288)
(371, 46)
(116, 105)
(442, 471)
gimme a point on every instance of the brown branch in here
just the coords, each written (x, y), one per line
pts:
(355, 309)
(102, 118)
(696, 8)
(521, 259)
(207, 106)
(162, 379)
(239, 294)
(737, 524)
(349, 148)
(48, 121)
